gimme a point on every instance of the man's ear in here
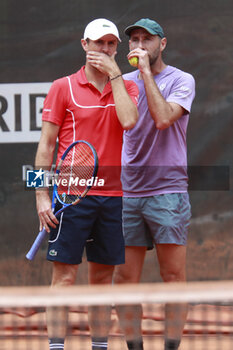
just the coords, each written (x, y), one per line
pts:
(84, 44)
(163, 43)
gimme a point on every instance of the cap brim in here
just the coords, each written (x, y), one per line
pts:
(97, 36)
(130, 28)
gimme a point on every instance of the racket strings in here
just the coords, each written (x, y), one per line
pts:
(76, 169)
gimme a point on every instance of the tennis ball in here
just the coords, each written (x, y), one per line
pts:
(133, 61)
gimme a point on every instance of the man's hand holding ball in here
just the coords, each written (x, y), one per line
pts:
(133, 61)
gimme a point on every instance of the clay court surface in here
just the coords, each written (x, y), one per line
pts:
(208, 329)
(150, 342)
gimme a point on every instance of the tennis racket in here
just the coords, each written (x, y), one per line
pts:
(73, 179)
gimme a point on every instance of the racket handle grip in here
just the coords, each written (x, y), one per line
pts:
(36, 245)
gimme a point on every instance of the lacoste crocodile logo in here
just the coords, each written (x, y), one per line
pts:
(53, 252)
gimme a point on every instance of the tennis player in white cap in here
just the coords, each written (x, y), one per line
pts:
(94, 104)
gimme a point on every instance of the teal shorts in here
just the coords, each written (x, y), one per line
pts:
(159, 219)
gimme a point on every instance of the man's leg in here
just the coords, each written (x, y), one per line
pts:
(100, 316)
(57, 317)
(130, 316)
(172, 261)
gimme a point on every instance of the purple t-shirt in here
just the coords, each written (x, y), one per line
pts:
(155, 161)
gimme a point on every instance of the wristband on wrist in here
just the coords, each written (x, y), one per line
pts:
(117, 76)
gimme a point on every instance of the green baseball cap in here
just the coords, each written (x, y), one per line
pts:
(149, 25)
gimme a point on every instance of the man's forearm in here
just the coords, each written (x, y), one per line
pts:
(126, 110)
(160, 110)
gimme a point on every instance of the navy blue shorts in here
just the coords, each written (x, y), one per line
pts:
(94, 223)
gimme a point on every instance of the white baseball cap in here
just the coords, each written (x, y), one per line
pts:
(100, 27)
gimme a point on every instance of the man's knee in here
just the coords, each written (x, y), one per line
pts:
(173, 274)
(121, 274)
(124, 274)
(100, 273)
(64, 274)
(172, 261)
(130, 272)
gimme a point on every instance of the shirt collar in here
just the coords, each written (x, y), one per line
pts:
(82, 76)
(82, 79)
